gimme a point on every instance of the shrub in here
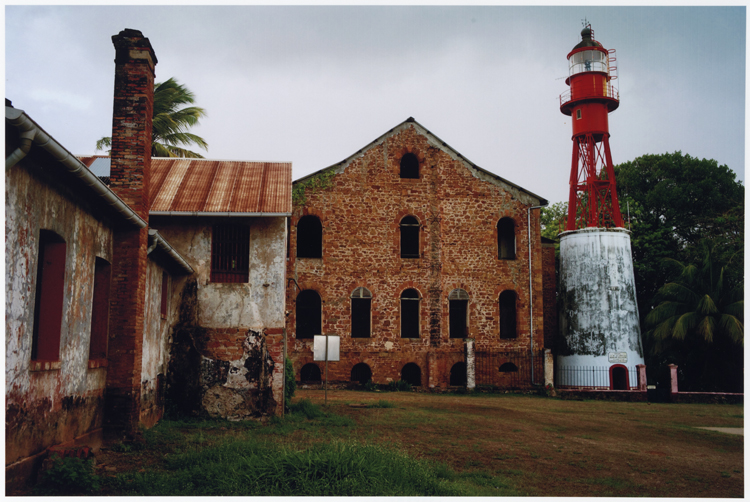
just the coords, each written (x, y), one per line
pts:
(370, 386)
(290, 385)
(399, 386)
(307, 408)
(68, 476)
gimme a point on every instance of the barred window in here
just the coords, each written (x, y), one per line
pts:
(230, 253)
(506, 239)
(458, 312)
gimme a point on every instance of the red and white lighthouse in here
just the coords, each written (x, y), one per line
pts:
(592, 96)
(600, 344)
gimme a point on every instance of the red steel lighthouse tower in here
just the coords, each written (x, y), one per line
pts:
(593, 196)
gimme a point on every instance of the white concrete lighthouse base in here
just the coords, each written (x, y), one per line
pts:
(601, 337)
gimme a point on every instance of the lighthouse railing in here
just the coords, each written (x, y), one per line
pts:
(590, 91)
(590, 377)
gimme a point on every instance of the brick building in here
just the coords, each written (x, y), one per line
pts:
(412, 254)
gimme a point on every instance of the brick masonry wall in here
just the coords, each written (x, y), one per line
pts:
(129, 179)
(458, 211)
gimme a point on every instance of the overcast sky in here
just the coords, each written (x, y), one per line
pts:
(312, 85)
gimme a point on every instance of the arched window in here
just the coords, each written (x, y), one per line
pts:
(458, 374)
(361, 373)
(361, 300)
(309, 237)
(506, 239)
(410, 313)
(310, 373)
(508, 368)
(507, 303)
(308, 314)
(409, 166)
(411, 374)
(409, 237)
(458, 302)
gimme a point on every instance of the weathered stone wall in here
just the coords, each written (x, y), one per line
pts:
(458, 209)
(50, 406)
(216, 318)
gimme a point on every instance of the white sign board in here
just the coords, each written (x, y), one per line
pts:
(618, 357)
(319, 347)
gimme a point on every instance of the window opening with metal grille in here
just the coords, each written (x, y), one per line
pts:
(361, 373)
(230, 253)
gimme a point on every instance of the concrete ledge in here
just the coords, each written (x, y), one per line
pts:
(603, 394)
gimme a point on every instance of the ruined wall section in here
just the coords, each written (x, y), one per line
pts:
(211, 336)
(58, 402)
(458, 209)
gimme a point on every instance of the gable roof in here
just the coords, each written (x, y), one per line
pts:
(526, 196)
(199, 187)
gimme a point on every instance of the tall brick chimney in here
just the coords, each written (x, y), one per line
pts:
(129, 179)
(132, 116)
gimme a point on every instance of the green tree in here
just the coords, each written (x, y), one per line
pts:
(698, 323)
(171, 122)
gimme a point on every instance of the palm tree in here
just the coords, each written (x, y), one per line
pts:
(170, 122)
(698, 322)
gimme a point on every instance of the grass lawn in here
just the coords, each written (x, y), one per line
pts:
(390, 443)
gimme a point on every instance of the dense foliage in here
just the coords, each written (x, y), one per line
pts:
(171, 122)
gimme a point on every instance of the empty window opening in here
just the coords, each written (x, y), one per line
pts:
(309, 237)
(506, 239)
(410, 313)
(578, 114)
(458, 374)
(50, 291)
(409, 237)
(458, 302)
(409, 166)
(308, 314)
(230, 253)
(361, 373)
(310, 373)
(361, 302)
(507, 303)
(619, 378)
(164, 295)
(100, 310)
(508, 368)
(411, 374)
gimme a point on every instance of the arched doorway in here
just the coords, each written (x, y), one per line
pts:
(361, 373)
(411, 374)
(310, 373)
(618, 377)
(458, 374)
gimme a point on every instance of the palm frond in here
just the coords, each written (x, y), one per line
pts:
(706, 328)
(706, 306)
(105, 142)
(733, 327)
(684, 325)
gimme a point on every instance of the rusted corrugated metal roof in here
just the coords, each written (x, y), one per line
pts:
(210, 186)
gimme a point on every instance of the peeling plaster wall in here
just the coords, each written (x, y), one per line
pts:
(156, 341)
(458, 209)
(45, 408)
(215, 319)
(598, 308)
